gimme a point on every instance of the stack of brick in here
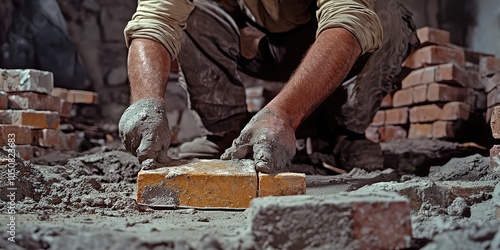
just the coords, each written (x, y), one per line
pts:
(490, 77)
(30, 115)
(437, 98)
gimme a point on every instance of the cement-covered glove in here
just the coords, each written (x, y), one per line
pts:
(145, 133)
(269, 139)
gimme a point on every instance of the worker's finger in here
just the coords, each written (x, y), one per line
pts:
(270, 158)
(149, 148)
(240, 148)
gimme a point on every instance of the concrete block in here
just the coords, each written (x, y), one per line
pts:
(15, 80)
(199, 184)
(355, 220)
(81, 96)
(35, 119)
(20, 134)
(281, 184)
(434, 55)
(36, 101)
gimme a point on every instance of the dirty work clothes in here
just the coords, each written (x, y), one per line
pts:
(211, 63)
(163, 20)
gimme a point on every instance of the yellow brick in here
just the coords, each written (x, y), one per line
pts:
(282, 184)
(199, 184)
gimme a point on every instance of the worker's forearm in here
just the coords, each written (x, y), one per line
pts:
(148, 69)
(323, 69)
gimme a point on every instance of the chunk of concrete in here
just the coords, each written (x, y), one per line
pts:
(199, 184)
(355, 220)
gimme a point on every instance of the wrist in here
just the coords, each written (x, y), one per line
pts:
(282, 113)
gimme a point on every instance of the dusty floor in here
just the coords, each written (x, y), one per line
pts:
(86, 202)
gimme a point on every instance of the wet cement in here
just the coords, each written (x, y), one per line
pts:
(87, 201)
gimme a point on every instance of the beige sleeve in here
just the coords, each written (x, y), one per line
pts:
(161, 21)
(357, 16)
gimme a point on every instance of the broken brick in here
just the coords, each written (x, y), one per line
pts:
(396, 116)
(402, 98)
(379, 118)
(36, 101)
(367, 220)
(386, 101)
(425, 113)
(281, 184)
(200, 183)
(419, 94)
(20, 134)
(389, 133)
(420, 130)
(455, 111)
(15, 80)
(446, 129)
(495, 122)
(45, 137)
(433, 36)
(434, 55)
(81, 96)
(489, 66)
(60, 93)
(447, 73)
(35, 119)
(4, 100)
(443, 93)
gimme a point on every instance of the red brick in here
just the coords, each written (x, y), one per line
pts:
(495, 157)
(490, 82)
(443, 93)
(4, 100)
(20, 134)
(386, 102)
(60, 93)
(371, 133)
(489, 65)
(455, 111)
(45, 137)
(495, 122)
(402, 98)
(425, 113)
(389, 133)
(447, 73)
(379, 118)
(36, 101)
(35, 119)
(66, 108)
(432, 36)
(420, 130)
(396, 116)
(434, 55)
(80, 96)
(446, 129)
(15, 80)
(419, 94)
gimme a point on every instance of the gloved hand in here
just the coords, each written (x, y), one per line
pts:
(145, 133)
(269, 139)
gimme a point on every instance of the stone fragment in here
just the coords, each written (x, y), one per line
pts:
(199, 184)
(281, 184)
(35, 119)
(355, 220)
(15, 80)
(36, 101)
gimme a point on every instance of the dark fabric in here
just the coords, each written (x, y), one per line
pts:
(211, 62)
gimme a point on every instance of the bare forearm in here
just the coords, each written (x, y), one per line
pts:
(148, 69)
(323, 69)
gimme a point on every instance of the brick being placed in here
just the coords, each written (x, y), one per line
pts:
(435, 55)
(81, 96)
(16, 80)
(35, 119)
(433, 36)
(353, 220)
(32, 100)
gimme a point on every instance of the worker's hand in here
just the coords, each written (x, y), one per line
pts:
(145, 133)
(269, 139)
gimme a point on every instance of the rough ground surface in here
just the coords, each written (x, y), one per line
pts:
(86, 202)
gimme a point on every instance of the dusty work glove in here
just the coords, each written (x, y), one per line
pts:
(145, 133)
(269, 139)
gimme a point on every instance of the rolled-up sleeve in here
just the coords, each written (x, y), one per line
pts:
(161, 21)
(356, 16)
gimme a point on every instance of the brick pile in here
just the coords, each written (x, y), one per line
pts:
(36, 113)
(438, 98)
